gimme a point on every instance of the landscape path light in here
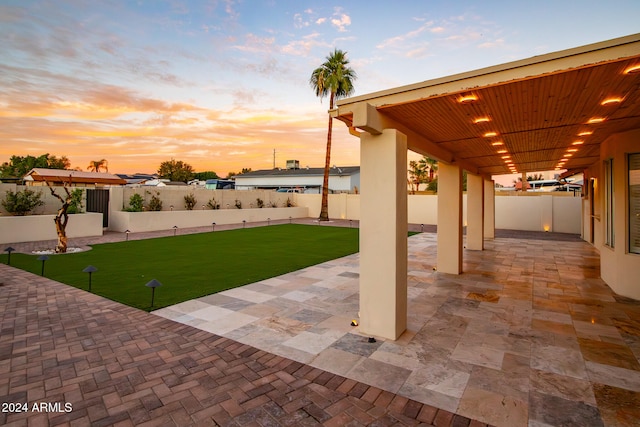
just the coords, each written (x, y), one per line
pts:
(289, 220)
(8, 250)
(175, 229)
(213, 226)
(127, 232)
(42, 258)
(422, 228)
(350, 221)
(268, 221)
(244, 222)
(89, 269)
(153, 284)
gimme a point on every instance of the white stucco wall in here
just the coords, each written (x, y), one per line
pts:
(153, 221)
(531, 213)
(33, 228)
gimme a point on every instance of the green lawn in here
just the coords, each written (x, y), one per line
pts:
(194, 265)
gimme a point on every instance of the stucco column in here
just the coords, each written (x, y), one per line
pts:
(489, 209)
(449, 259)
(475, 212)
(383, 234)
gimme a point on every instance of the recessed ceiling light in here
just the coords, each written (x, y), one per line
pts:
(502, 151)
(633, 69)
(568, 154)
(496, 143)
(564, 159)
(585, 133)
(481, 120)
(467, 98)
(595, 120)
(572, 150)
(610, 101)
(490, 134)
(577, 143)
(506, 157)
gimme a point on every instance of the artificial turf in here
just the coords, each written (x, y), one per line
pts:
(194, 265)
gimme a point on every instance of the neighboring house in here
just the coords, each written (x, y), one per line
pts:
(40, 176)
(137, 178)
(345, 179)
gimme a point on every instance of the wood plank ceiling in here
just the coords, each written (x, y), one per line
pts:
(539, 121)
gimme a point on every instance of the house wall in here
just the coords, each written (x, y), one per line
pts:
(32, 228)
(619, 268)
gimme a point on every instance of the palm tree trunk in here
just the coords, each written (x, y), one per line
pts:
(324, 207)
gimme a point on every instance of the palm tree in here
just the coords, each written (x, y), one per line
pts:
(431, 164)
(96, 165)
(335, 79)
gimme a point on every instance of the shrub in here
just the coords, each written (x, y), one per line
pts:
(190, 201)
(259, 202)
(238, 204)
(23, 202)
(289, 203)
(136, 204)
(76, 202)
(212, 204)
(155, 204)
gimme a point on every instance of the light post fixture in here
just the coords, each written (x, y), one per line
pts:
(153, 284)
(42, 258)
(213, 226)
(289, 220)
(422, 228)
(89, 269)
(127, 232)
(175, 229)
(8, 250)
(171, 208)
(202, 207)
(350, 222)
(244, 222)
(268, 221)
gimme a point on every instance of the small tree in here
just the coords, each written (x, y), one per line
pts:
(136, 203)
(62, 216)
(259, 202)
(76, 201)
(23, 202)
(190, 201)
(238, 204)
(155, 204)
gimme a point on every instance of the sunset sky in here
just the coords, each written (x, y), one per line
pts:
(221, 84)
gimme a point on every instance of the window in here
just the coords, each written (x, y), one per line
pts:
(634, 203)
(609, 238)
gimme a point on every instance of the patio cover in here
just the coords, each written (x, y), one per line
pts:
(542, 113)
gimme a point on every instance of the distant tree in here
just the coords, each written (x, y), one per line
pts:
(97, 165)
(176, 170)
(203, 176)
(535, 177)
(429, 164)
(417, 175)
(19, 166)
(233, 174)
(334, 78)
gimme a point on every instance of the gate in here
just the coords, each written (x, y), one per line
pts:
(98, 201)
